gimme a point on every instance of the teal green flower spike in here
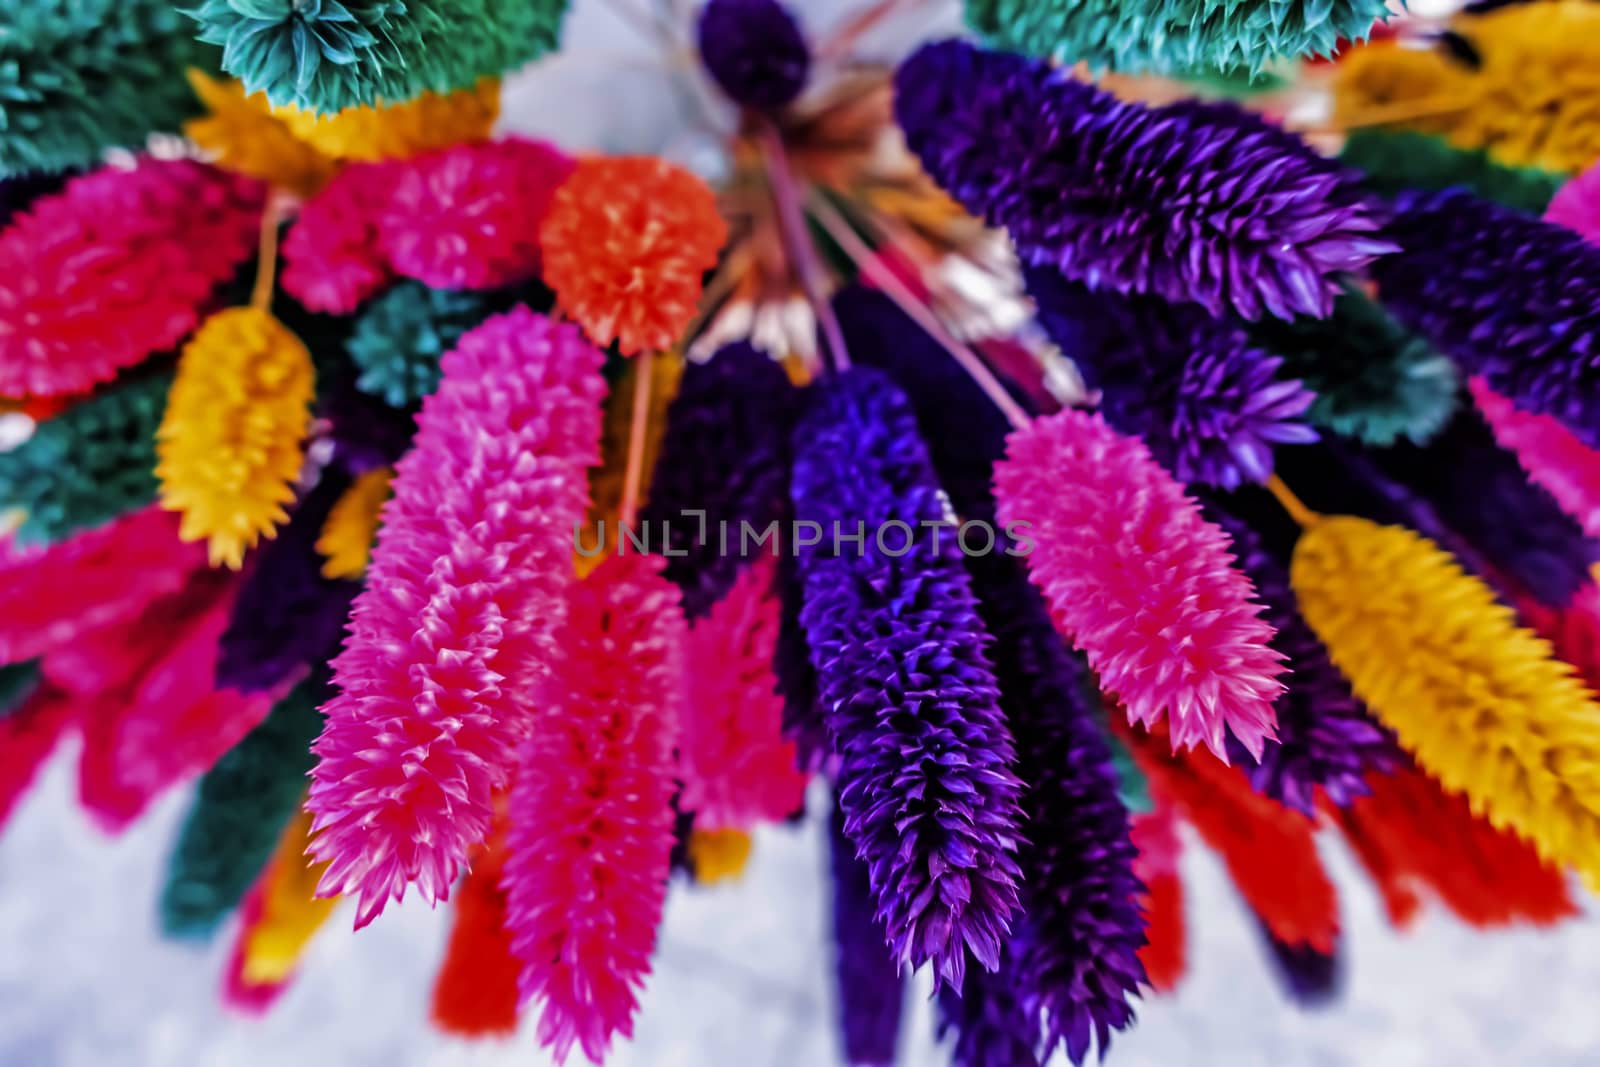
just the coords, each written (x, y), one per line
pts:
(90, 464)
(1174, 37)
(80, 76)
(326, 55)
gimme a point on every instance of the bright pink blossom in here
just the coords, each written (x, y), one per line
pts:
(737, 767)
(468, 217)
(332, 262)
(119, 264)
(1141, 582)
(591, 812)
(464, 594)
(1576, 205)
(1554, 458)
(51, 594)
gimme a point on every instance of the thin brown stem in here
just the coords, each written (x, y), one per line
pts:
(639, 427)
(266, 257)
(1303, 516)
(908, 302)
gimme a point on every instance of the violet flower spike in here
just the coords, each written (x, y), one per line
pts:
(907, 693)
(869, 986)
(1193, 202)
(1211, 405)
(1510, 298)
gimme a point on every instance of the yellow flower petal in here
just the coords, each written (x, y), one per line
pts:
(347, 535)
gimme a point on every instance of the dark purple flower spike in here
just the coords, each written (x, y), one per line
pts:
(755, 50)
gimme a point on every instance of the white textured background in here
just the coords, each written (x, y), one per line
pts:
(741, 979)
(742, 975)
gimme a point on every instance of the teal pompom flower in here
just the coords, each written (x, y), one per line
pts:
(1174, 36)
(80, 76)
(327, 55)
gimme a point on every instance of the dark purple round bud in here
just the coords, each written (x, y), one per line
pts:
(755, 51)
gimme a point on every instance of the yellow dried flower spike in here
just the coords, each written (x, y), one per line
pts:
(229, 446)
(291, 913)
(1482, 703)
(718, 855)
(396, 131)
(242, 135)
(346, 540)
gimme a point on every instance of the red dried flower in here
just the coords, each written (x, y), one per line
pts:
(737, 767)
(590, 840)
(114, 267)
(475, 993)
(626, 243)
(332, 262)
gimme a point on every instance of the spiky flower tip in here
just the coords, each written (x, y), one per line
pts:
(1311, 976)
(1475, 486)
(467, 217)
(327, 55)
(230, 442)
(1530, 327)
(277, 920)
(1175, 37)
(239, 813)
(755, 50)
(114, 267)
(289, 615)
(89, 464)
(723, 472)
(737, 768)
(475, 993)
(332, 262)
(400, 337)
(1413, 838)
(1209, 403)
(908, 697)
(1372, 380)
(28, 734)
(82, 76)
(1481, 703)
(626, 242)
(990, 1023)
(1576, 205)
(1554, 458)
(1165, 955)
(1326, 738)
(1270, 852)
(458, 620)
(1196, 203)
(242, 135)
(368, 133)
(591, 819)
(51, 595)
(1075, 954)
(1141, 582)
(352, 523)
(870, 990)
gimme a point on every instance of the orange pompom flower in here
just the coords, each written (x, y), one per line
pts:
(230, 443)
(626, 243)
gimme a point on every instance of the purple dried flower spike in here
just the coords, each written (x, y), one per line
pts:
(725, 454)
(1482, 493)
(907, 693)
(870, 989)
(1511, 298)
(755, 50)
(1311, 978)
(287, 614)
(1206, 400)
(992, 1027)
(1325, 736)
(1192, 202)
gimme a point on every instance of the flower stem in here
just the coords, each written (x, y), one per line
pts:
(1303, 516)
(802, 253)
(895, 290)
(266, 257)
(633, 473)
